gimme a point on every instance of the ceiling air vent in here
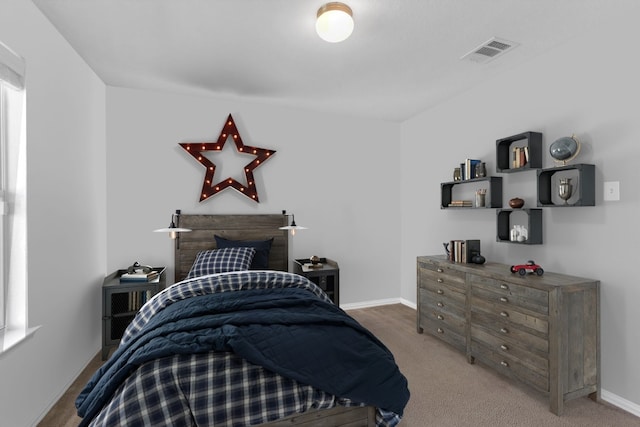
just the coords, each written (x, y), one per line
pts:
(489, 50)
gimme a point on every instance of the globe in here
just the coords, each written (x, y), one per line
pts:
(565, 149)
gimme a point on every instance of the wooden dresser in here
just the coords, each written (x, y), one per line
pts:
(541, 330)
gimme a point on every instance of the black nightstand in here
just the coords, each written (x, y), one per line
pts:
(327, 276)
(120, 303)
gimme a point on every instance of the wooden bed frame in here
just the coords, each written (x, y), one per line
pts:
(232, 227)
(259, 227)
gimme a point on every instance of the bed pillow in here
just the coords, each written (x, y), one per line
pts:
(221, 261)
(262, 247)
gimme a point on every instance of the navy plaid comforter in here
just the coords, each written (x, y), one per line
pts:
(201, 361)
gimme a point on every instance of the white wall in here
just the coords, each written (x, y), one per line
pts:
(588, 87)
(66, 216)
(338, 175)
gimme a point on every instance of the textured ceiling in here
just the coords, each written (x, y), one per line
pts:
(402, 58)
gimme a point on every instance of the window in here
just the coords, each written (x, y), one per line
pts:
(13, 228)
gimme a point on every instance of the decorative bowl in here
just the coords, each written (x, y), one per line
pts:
(516, 203)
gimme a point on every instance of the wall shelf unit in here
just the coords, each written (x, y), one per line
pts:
(585, 191)
(505, 148)
(494, 199)
(533, 224)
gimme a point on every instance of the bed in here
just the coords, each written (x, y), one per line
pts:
(238, 340)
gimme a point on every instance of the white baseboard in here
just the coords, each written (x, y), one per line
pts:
(624, 404)
(379, 302)
(368, 304)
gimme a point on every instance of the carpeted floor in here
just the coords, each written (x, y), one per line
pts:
(446, 391)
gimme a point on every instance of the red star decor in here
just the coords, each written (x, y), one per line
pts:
(197, 148)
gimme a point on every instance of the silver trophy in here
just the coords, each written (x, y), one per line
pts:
(565, 189)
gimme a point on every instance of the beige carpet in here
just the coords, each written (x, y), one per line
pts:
(445, 389)
(448, 391)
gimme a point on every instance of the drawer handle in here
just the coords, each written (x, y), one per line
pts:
(504, 299)
(440, 331)
(440, 304)
(505, 363)
(505, 287)
(504, 347)
(440, 280)
(504, 314)
(504, 330)
(440, 291)
(439, 317)
(439, 270)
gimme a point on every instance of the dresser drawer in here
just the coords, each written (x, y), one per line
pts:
(509, 365)
(442, 304)
(450, 329)
(519, 318)
(534, 360)
(443, 275)
(511, 294)
(499, 326)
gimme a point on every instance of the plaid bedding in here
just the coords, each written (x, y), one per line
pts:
(215, 388)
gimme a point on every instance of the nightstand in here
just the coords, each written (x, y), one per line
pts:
(327, 276)
(120, 303)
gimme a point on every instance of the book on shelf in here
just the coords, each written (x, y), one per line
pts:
(468, 168)
(461, 203)
(463, 250)
(140, 277)
(520, 157)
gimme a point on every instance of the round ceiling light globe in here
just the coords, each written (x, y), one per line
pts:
(335, 22)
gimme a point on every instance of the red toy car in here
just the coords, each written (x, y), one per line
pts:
(529, 267)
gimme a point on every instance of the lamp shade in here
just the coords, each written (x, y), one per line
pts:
(172, 229)
(293, 227)
(334, 22)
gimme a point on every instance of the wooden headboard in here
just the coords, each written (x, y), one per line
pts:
(233, 227)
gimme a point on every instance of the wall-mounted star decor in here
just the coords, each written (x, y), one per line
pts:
(229, 129)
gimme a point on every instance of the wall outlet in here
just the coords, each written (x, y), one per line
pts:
(612, 190)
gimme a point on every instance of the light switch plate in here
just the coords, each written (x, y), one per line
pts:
(612, 190)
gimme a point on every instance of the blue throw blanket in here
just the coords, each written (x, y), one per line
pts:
(289, 331)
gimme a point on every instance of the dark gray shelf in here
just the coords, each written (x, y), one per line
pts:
(504, 151)
(495, 192)
(534, 226)
(586, 185)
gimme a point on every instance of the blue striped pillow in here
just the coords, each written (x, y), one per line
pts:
(221, 261)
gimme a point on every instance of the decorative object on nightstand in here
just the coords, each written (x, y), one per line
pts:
(326, 276)
(121, 300)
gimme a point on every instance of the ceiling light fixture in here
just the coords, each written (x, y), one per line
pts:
(335, 22)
